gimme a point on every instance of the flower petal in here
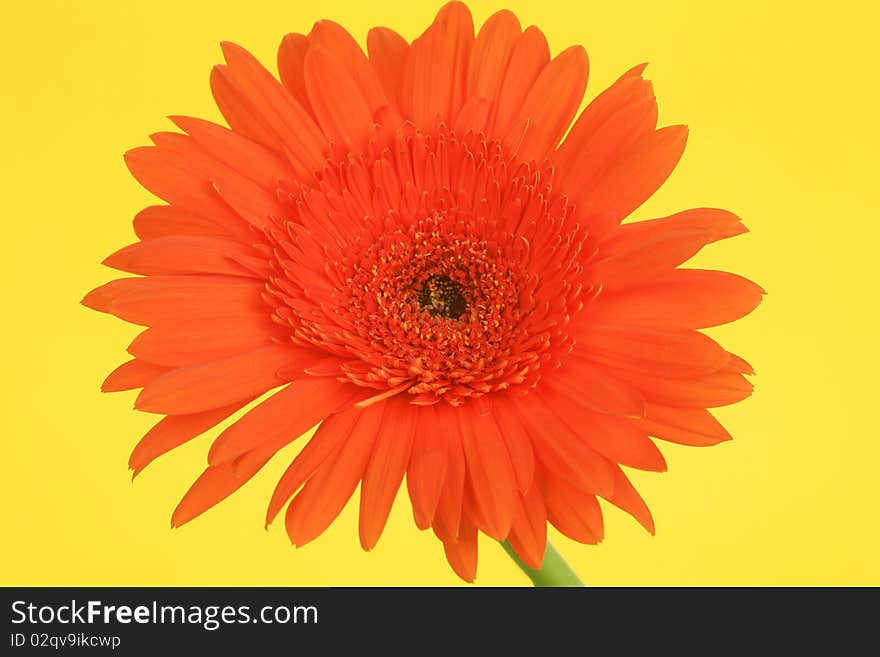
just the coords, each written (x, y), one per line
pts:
(132, 374)
(287, 414)
(173, 431)
(326, 492)
(384, 474)
(181, 254)
(529, 57)
(388, 55)
(691, 298)
(633, 177)
(217, 383)
(685, 426)
(427, 467)
(198, 340)
(528, 535)
(549, 107)
(490, 473)
(435, 78)
(291, 57)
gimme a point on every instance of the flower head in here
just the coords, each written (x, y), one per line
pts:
(403, 247)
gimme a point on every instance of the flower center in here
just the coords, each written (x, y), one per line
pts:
(432, 263)
(443, 297)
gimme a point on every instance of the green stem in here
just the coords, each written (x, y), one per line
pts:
(554, 570)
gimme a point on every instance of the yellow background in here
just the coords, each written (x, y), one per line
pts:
(782, 101)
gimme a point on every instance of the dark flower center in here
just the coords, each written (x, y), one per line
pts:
(443, 297)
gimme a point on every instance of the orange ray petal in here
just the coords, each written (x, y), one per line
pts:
(572, 511)
(461, 552)
(627, 498)
(692, 298)
(181, 254)
(549, 106)
(529, 57)
(708, 391)
(427, 467)
(173, 431)
(435, 78)
(218, 482)
(330, 436)
(388, 55)
(168, 220)
(447, 518)
(685, 426)
(615, 438)
(384, 474)
(258, 96)
(528, 535)
(341, 109)
(325, 494)
(519, 448)
(291, 57)
(132, 374)
(668, 352)
(217, 383)
(490, 473)
(633, 177)
(591, 386)
(198, 340)
(249, 158)
(287, 414)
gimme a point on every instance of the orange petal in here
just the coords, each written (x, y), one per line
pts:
(488, 65)
(173, 431)
(708, 391)
(181, 254)
(528, 535)
(167, 220)
(627, 498)
(247, 157)
(611, 123)
(341, 109)
(435, 78)
(284, 416)
(692, 298)
(217, 483)
(325, 494)
(291, 56)
(217, 383)
(615, 438)
(668, 352)
(490, 473)
(591, 386)
(427, 467)
(572, 511)
(258, 98)
(388, 55)
(529, 57)
(384, 474)
(519, 448)
(448, 517)
(633, 177)
(336, 40)
(555, 445)
(685, 426)
(550, 106)
(171, 177)
(461, 553)
(195, 341)
(132, 374)
(172, 299)
(330, 436)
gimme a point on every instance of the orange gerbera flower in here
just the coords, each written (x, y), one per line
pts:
(402, 246)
